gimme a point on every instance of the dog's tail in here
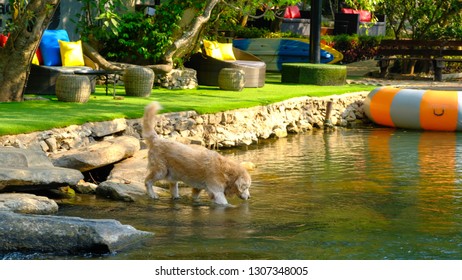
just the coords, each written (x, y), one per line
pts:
(149, 120)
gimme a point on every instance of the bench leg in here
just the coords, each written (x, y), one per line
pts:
(384, 68)
(412, 66)
(438, 66)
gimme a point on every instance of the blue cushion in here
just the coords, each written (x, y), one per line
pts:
(49, 46)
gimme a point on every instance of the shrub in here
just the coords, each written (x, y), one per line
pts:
(140, 40)
(355, 48)
(254, 32)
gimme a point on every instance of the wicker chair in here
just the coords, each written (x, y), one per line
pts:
(208, 68)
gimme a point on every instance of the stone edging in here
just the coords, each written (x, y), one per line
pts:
(224, 129)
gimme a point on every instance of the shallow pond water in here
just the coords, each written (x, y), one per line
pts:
(348, 194)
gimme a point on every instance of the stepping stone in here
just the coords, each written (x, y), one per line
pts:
(98, 154)
(126, 181)
(25, 203)
(23, 170)
(65, 235)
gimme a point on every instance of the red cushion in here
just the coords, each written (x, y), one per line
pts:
(364, 16)
(347, 11)
(292, 12)
(39, 56)
(3, 39)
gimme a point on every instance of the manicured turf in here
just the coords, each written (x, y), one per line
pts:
(29, 116)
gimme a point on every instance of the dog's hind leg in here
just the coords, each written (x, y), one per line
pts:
(195, 194)
(149, 188)
(174, 191)
(151, 178)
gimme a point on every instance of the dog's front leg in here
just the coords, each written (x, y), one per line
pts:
(219, 198)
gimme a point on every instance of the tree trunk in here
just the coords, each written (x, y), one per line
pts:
(97, 58)
(17, 55)
(187, 42)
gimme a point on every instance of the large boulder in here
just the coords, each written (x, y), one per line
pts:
(98, 154)
(25, 203)
(22, 170)
(126, 180)
(64, 235)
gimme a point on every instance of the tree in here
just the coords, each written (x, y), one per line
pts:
(369, 5)
(192, 29)
(422, 19)
(30, 19)
(186, 42)
(175, 31)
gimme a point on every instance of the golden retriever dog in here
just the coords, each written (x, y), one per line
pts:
(194, 165)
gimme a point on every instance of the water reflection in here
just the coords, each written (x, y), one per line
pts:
(347, 194)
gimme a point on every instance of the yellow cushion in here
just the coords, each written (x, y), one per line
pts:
(226, 50)
(71, 53)
(35, 60)
(212, 49)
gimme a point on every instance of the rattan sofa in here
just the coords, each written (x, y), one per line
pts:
(208, 68)
(42, 79)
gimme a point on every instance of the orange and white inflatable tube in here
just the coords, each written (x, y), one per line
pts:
(415, 109)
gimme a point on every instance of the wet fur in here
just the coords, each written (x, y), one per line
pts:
(196, 166)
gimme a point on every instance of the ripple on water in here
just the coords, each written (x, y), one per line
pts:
(347, 194)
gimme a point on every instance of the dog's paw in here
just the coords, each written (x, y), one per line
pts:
(219, 198)
(153, 196)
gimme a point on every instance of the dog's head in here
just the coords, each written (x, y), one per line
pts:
(240, 185)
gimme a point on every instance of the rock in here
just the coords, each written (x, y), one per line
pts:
(64, 235)
(248, 165)
(22, 170)
(27, 204)
(100, 129)
(280, 132)
(98, 154)
(225, 129)
(126, 180)
(85, 187)
(52, 144)
(120, 191)
(131, 170)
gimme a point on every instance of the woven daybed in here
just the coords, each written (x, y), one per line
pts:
(208, 68)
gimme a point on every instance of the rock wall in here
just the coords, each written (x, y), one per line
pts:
(177, 79)
(225, 129)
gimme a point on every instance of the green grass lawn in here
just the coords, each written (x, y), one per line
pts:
(29, 116)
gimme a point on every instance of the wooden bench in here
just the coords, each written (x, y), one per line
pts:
(438, 52)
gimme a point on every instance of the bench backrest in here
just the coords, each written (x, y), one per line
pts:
(420, 48)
